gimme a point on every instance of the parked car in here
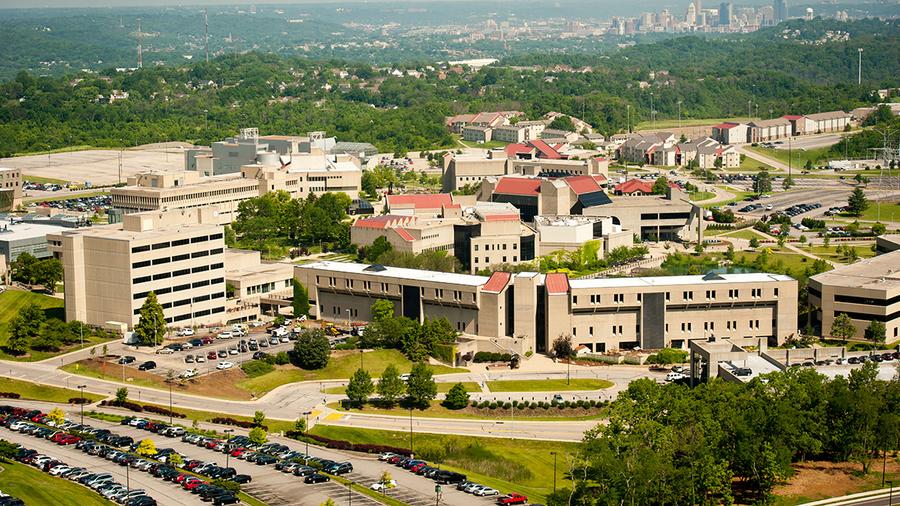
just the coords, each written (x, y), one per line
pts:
(146, 366)
(225, 365)
(316, 478)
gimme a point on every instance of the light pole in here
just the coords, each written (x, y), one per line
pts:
(554, 471)
(81, 402)
(891, 493)
(679, 114)
(410, 431)
(628, 118)
(859, 72)
(652, 117)
(349, 493)
(227, 453)
(170, 403)
(127, 477)
(306, 458)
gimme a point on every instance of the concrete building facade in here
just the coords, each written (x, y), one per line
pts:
(10, 189)
(527, 311)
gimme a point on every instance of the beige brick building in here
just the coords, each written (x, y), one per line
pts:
(10, 189)
(156, 191)
(867, 291)
(527, 311)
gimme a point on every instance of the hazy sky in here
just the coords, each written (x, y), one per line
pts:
(149, 3)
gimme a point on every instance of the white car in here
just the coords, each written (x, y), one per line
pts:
(187, 331)
(486, 491)
(225, 335)
(379, 485)
(165, 351)
(675, 376)
(190, 373)
(199, 359)
(225, 365)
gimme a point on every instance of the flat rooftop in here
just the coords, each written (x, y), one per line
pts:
(22, 231)
(116, 232)
(399, 273)
(721, 279)
(881, 272)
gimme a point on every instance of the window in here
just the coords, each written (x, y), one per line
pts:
(163, 260)
(591, 331)
(201, 238)
(161, 245)
(198, 254)
(776, 293)
(142, 279)
(202, 268)
(687, 295)
(574, 299)
(668, 297)
(138, 265)
(178, 258)
(213, 237)
(638, 297)
(162, 275)
(180, 242)
(140, 249)
(574, 331)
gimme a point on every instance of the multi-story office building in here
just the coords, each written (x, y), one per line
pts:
(532, 158)
(155, 191)
(867, 291)
(10, 189)
(247, 148)
(527, 311)
(110, 270)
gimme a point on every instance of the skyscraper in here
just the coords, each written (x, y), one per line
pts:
(691, 17)
(725, 9)
(781, 10)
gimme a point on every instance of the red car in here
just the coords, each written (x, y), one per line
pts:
(192, 483)
(181, 477)
(212, 443)
(237, 452)
(211, 355)
(416, 467)
(37, 418)
(69, 440)
(512, 499)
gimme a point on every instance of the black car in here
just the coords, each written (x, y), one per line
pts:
(316, 478)
(241, 478)
(226, 499)
(340, 468)
(146, 366)
(126, 359)
(265, 460)
(259, 355)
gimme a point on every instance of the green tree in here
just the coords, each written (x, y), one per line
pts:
(24, 328)
(390, 386)
(754, 242)
(259, 418)
(562, 347)
(787, 183)
(300, 425)
(879, 228)
(146, 448)
(312, 350)
(661, 186)
(48, 273)
(420, 387)
(175, 459)
(876, 332)
(8, 451)
(457, 397)
(121, 395)
(857, 203)
(562, 123)
(151, 325)
(379, 247)
(382, 309)
(360, 387)
(842, 327)
(257, 435)
(763, 182)
(300, 301)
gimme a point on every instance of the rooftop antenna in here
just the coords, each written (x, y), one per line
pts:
(140, 55)
(206, 32)
(121, 22)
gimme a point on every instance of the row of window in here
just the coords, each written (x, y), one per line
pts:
(497, 247)
(176, 258)
(179, 272)
(619, 298)
(179, 288)
(172, 244)
(487, 260)
(385, 288)
(198, 314)
(185, 302)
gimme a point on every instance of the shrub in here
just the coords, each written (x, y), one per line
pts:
(12, 395)
(237, 423)
(487, 356)
(507, 405)
(162, 411)
(493, 405)
(533, 405)
(282, 358)
(256, 368)
(79, 400)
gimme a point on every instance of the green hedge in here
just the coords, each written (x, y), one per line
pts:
(487, 356)
(446, 353)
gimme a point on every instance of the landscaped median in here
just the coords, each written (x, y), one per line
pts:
(491, 410)
(509, 465)
(442, 388)
(46, 393)
(548, 385)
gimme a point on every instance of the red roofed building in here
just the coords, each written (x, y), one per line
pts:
(424, 205)
(800, 124)
(634, 187)
(730, 133)
(557, 283)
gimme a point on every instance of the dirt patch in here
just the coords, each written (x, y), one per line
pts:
(820, 480)
(220, 384)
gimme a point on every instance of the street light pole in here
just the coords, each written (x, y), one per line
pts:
(81, 403)
(679, 114)
(227, 453)
(170, 403)
(554, 471)
(307, 413)
(628, 118)
(859, 74)
(410, 432)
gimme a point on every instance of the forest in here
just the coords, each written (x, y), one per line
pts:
(722, 442)
(203, 102)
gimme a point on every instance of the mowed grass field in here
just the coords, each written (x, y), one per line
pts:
(342, 365)
(509, 465)
(46, 393)
(35, 487)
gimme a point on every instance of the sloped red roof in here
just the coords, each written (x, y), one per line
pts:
(518, 186)
(497, 283)
(421, 201)
(582, 184)
(792, 116)
(634, 185)
(546, 150)
(404, 234)
(725, 126)
(557, 283)
(600, 178)
(514, 149)
(380, 221)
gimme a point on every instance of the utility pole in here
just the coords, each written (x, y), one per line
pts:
(139, 49)
(206, 32)
(170, 403)
(679, 114)
(81, 402)
(120, 165)
(306, 458)
(652, 116)
(859, 72)
(628, 116)
(554, 471)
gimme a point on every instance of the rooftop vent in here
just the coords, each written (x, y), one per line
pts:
(375, 268)
(712, 276)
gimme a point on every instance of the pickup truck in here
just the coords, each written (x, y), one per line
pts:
(512, 499)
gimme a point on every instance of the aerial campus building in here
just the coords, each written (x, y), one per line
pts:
(527, 311)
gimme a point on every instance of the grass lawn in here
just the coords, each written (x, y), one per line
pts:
(443, 388)
(549, 385)
(792, 261)
(11, 301)
(799, 156)
(45, 393)
(890, 211)
(66, 197)
(35, 487)
(436, 410)
(341, 366)
(48, 180)
(91, 370)
(509, 465)
(752, 165)
(673, 123)
(701, 195)
(830, 253)
(744, 233)
(738, 196)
